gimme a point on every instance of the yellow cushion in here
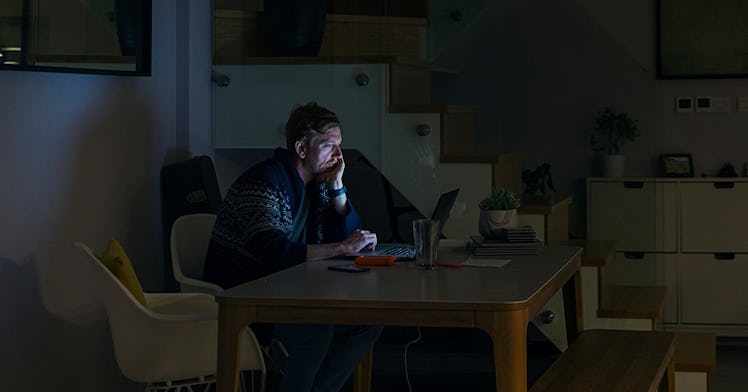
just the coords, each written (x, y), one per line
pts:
(116, 260)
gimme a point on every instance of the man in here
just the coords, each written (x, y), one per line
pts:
(290, 209)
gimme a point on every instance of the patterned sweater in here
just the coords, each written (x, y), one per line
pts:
(251, 236)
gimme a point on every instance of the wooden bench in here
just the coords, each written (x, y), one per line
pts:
(613, 360)
(695, 360)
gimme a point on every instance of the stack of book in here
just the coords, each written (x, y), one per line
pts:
(516, 241)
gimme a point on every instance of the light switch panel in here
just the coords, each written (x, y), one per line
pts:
(684, 104)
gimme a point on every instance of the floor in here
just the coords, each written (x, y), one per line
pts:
(461, 360)
(732, 365)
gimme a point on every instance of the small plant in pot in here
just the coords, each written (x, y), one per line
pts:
(611, 130)
(498, 211)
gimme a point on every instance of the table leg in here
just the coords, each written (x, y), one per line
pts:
(232, 320)
(670, 376)
(572, 292)
(362, 376)
(508, 332)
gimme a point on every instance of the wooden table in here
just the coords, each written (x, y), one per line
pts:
(500, 301)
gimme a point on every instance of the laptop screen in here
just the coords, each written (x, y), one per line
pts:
(444, 207)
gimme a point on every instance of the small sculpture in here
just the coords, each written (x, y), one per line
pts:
(538, 183)
(727, 170)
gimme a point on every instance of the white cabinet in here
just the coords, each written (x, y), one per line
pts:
(637, 213)
(686, 234)
(714, 289)
(714, 216)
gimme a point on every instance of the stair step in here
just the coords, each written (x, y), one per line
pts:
(506, 167)
(633, 302)
(372, 35)
(240, 34)
(433, 108)
(409, 84)
(597, 253)
(695, 352)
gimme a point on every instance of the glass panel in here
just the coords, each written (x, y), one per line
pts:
(250, 109)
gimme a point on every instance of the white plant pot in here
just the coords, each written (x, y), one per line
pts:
(491, 224)
(614, 165)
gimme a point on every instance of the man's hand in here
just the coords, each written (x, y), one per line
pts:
(358, 240)
(334, 176)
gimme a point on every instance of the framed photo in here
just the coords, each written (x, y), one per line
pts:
(702, 39)
(676, 165)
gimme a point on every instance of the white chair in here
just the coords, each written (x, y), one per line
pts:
(171, 343)
(190, 235)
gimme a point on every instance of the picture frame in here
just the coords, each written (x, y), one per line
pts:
(692, 43)
(676, 165)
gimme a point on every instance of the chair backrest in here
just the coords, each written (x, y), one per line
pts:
(173, 338)
(190, 236)
(128, 318)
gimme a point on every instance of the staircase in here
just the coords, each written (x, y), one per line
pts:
(607, 305)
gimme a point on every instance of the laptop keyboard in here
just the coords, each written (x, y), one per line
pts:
(403, 252)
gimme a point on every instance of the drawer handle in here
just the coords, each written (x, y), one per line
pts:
(724, 185)
(724, 256)
(634, 255)
(633, 184)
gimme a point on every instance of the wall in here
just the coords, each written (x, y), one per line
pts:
(79, 160)
(539, 70)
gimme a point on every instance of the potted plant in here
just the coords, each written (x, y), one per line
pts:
(611, 130)
(498, 211)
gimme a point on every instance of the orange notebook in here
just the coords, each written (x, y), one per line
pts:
(375, 260)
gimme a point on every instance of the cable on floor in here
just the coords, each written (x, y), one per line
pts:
(405, 358)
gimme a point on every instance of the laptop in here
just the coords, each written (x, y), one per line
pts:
(407, 251)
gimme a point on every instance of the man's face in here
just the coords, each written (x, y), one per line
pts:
(323, 152)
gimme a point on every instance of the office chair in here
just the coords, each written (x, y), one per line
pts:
(170, 345)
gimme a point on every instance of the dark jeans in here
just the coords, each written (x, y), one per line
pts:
(322, 357)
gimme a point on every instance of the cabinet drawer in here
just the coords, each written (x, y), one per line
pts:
(641, 215)
(648, 269)
(714, 289)
(713, 216)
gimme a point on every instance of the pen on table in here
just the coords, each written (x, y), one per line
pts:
(449, 265)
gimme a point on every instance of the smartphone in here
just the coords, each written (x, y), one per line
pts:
(348, 268)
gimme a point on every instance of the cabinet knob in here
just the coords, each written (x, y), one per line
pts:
(362, 79)
(221, 80)
(633, 184)
(547, 317)
(423, 130)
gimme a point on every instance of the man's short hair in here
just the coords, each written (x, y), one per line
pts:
(308, 121)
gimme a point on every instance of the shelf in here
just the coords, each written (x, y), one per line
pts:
(243, 60)
(596, 252)
(529, 207)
